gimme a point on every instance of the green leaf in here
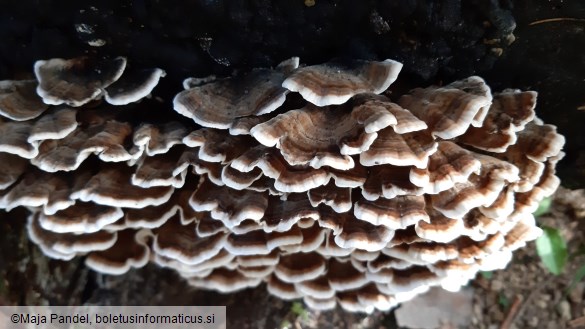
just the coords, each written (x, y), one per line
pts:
(298, 309)
(503, 300)
(486, 275)
(543, 207)
(552, 250)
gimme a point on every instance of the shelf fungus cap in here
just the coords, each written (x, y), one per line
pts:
(479, 190)
(363, 235)
(62, 246)
(540, 141)
(292, 179)
(415, 279)
(112, 187)
(300, 267)
(225, 280)
(389, 181)
(509, 113)
(76, 81)
(371, 296)
(401, 120)
(23, 138)
(82, 217)
(349, 301)
(133, 86)
(131, 250)
(228, 205)
(55, 124)
(11, 168)
(318, 288)
(251, 243)
(37, 189)
(450, 110)
(343, 276)
(397, 213)
(449, 165)
(217, 104)
(410, 149)
(175, 241)
(157, 139)
(281, 289)
(216, 145)
(440, 228)
(320, 304)
(13, 139)
(19, 100)
(68, 153)
(303, 139)
(259, 260)
(336, 82)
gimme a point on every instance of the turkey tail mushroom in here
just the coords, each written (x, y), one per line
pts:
(306, 178)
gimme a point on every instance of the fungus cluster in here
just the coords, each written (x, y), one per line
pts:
(308, 179)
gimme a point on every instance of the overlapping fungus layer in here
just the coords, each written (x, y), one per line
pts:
(307, 179)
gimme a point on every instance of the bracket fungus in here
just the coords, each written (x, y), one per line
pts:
(78, 81)
(305, 178)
